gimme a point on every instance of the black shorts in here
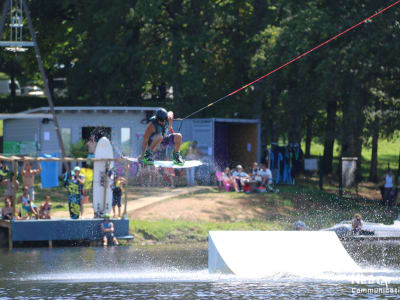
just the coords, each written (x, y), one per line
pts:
(116, 201)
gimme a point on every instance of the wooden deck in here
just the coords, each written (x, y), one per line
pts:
(61, 230)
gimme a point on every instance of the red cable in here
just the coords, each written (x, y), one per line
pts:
(315, 48)
(293, 60)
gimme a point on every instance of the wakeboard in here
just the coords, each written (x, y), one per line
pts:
(170, 164)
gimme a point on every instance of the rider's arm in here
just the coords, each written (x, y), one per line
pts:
(170, 120)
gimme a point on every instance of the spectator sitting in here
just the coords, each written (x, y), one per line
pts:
(28, 177)
(27, 203)
(254, 171)
(116, 187)
(107, 228)
(265, 178)
(241, 177)
(228, 179)
(44, 212)
(7, 211)
(357, 226)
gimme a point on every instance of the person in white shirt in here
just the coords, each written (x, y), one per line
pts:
(264, 175)
(254, 171)
(240, 176)
(265, 178)
(389, 189)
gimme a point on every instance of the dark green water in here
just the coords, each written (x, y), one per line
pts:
(179, 272)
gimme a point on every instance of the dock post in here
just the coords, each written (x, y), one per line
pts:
(50, 244)
(10, 241)
(105, 187)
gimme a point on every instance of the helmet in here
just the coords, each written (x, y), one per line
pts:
(106, 216)
(161, 114)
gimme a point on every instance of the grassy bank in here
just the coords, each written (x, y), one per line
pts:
(318, 209)
(172, 231)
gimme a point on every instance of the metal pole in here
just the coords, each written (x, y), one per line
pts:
(105, 188)
(340, 177)
(45, 81)
(124, 216)
(14, 184)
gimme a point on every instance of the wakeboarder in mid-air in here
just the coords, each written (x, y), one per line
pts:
(156, 134)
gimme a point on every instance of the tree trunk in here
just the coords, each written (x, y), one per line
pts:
(329, 140)
(309, 124)
(373, 172)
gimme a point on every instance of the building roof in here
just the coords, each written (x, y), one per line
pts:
(91, 109)
(25, 116)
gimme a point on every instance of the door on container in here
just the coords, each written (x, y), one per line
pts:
(203, 134)
(98, 132)
(221, 146)
(235, 143)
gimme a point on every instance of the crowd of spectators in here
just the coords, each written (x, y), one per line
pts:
(258, 180)
(26, 201)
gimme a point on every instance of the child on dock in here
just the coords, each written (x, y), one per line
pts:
(45, 208)
(116, 187)
(27, 204)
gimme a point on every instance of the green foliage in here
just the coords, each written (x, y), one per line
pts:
(4, 76)
(137, 52)
(79, 149)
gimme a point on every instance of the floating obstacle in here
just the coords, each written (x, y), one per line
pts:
(262, 253)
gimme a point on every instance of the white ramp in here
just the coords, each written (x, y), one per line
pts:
(261, 253)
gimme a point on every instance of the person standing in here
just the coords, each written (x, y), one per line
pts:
(91, 145)
(74, 184)
(194, 153)
(389, 189)
(116, 187)
(156, 134)
(10, 187)
(28, 177)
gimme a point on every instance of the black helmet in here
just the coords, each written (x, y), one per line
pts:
(161, 115)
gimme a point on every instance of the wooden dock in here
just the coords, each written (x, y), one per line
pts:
(61, 230)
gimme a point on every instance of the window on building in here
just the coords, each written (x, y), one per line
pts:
(66, 134)
(126, 141)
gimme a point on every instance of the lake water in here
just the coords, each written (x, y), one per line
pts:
(180, 272)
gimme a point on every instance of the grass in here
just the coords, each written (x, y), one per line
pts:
(388, 154)
(318, 209)
(186, 231)
(4, 76)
